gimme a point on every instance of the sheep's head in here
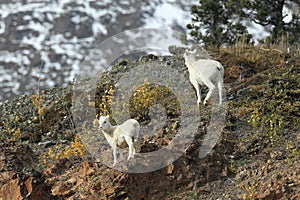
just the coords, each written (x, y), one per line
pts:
(190, 55)
(104, 122)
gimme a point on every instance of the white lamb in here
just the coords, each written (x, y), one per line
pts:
(118, 136)
(204, 71)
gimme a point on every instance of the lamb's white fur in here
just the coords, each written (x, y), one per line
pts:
(204, 72)
(120, 135)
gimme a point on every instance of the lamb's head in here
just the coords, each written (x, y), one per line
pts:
(104, 123)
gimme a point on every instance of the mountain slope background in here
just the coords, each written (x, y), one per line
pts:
(50, 39)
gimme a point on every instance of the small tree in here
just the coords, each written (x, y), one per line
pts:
(293, 30)
(271, 13)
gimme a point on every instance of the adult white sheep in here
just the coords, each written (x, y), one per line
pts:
(118, 136)
(204, 72)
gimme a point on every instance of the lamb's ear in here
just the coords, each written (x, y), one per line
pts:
(186, 51)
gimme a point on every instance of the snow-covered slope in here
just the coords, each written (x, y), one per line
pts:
(50, 38)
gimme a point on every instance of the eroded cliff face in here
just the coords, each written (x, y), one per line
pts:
(45, 158)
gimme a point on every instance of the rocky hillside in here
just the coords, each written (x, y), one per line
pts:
(256, 156)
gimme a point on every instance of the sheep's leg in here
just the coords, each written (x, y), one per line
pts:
(131, 147)
(114, 147)
(133, 153)
(211, 87)
(137, 133)
(220, 88)
(197, 87)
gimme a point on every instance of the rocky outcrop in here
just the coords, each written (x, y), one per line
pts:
(30, 186)
(19, 180)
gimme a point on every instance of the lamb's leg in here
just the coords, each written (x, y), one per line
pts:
(121, 154)
(211, 87)
(197, 87)
(220, 88)
(131, 147)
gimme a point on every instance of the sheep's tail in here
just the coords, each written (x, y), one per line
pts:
(220, 68)
(137, 131)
